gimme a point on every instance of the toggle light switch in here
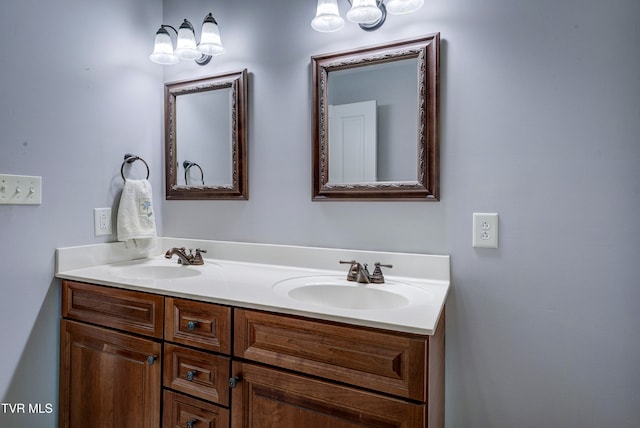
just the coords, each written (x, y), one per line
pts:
(20, 189)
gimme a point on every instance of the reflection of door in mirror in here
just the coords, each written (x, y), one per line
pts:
(402, 78)
(393, 87)
(203, 128)
(352, 142)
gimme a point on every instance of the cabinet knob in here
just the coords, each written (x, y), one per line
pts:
(191, 374)
(233, 381)
(152, 359)
(191, 325)
(191, 423)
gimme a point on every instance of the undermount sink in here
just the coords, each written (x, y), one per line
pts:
(154, 271)
(337, 292)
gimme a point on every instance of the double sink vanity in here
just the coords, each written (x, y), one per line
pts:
(256, 336)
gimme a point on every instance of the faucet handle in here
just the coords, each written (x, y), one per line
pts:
(197, 258)
(353, 270)
(377, 277)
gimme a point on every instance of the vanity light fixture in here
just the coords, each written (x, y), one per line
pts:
(186, 47)
(369, 14)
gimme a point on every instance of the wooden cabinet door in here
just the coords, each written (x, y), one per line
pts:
(107, 378)
(267, 398)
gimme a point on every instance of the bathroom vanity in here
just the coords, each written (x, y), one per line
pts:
(145, 345)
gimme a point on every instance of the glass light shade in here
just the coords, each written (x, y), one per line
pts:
(186, 44)
(210, 43)
(364, 12)
(328, 17)
(163, 49)
(401, 7)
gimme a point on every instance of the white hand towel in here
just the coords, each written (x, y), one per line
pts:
(136, 222)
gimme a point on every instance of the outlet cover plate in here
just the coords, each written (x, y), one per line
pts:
(102, 221)
(485, 230)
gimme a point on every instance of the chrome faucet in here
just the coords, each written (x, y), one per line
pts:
(359, 273)
(184, 258)
(363, 276)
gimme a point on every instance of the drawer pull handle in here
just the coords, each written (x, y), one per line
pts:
(191, 325)
(191, 423)
(233, 381)
(191, 374)
(152, 359)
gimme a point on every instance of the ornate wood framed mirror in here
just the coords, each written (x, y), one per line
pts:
(375, 127)
(206, 138)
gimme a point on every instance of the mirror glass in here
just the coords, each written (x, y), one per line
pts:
(206, 141)
(375, 122)
(365, 108)
(205, 138)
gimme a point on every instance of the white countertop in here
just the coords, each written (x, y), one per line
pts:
(244, 282)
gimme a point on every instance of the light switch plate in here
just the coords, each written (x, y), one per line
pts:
(20, 189)
(485, 230)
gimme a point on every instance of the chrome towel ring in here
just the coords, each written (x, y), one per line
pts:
(129, 158)
(187, 165)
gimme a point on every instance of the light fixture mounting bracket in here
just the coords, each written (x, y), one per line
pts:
(203, 60)
(377, 24)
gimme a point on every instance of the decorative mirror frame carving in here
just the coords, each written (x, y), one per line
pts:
(239, 187)
(427, 51)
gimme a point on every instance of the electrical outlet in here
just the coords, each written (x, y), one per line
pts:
(102, 221)
(485, 230)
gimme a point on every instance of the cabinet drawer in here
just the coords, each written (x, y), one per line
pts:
(132, 311)
(181, 411)
(197, 373)
(199, 324)
(394, 363)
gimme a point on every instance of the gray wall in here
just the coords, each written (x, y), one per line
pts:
(77, 92)
(540, 106)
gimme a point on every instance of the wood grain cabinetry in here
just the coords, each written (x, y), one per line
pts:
(181, 411)
(198, 324)
(131, 311)
(373, 359)
(267, 398)
(109, 378)
(197, 373)
(137, 359)
(361, 376)
(197, 362)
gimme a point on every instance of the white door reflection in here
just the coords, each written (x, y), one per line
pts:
(352, 142)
